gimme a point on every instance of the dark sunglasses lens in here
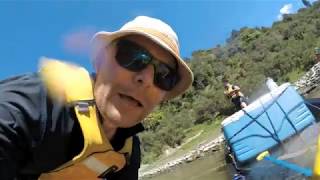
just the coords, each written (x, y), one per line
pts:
(134, 58)
(131, 56)
(165, 77)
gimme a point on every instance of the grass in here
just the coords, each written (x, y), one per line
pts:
(209, 131)
(295, 75)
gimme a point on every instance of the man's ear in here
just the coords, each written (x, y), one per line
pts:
(97, 64)
(98, 61)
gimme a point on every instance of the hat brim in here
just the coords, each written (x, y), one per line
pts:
(103, 38)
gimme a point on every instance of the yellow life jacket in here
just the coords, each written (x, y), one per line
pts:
(232, 91)
(72, 84)
(316, 167)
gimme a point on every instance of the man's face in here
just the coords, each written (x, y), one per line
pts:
(124, 98)
(226, 85)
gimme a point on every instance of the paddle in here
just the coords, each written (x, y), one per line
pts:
(266, 156)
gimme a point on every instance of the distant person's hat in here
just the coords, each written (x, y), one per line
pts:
(157, 31)
(226, 83)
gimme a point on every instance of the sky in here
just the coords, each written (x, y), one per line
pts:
(62, 29)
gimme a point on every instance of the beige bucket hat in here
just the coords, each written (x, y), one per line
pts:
(160, 33)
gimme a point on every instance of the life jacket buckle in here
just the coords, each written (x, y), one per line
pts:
(107, 172)
(83, 107)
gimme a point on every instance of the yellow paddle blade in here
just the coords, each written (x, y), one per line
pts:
(262, 155)
(316, 168)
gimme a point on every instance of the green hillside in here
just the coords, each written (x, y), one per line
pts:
(283, 52)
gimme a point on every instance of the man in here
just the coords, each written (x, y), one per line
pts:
(233, 92)
(62, 123)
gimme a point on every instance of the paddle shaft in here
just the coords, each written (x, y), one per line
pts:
(305, 171)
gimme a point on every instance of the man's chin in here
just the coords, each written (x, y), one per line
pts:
(128, 125)
(120, 122)
(121, 119)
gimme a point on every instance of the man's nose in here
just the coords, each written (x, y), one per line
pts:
(145, 76)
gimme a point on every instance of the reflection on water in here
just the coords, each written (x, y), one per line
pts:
(299, 150)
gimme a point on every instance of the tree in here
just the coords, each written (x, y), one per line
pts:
(306, 3)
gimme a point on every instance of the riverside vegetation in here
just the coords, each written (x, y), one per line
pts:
(283, 52)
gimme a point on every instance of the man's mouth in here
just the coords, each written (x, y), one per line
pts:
(131, 99)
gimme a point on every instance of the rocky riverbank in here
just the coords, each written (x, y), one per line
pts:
(309, 80)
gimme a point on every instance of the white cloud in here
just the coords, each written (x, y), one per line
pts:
(286, 9)
(78, 42)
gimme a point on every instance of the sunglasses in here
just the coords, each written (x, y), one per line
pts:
(135, 58)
